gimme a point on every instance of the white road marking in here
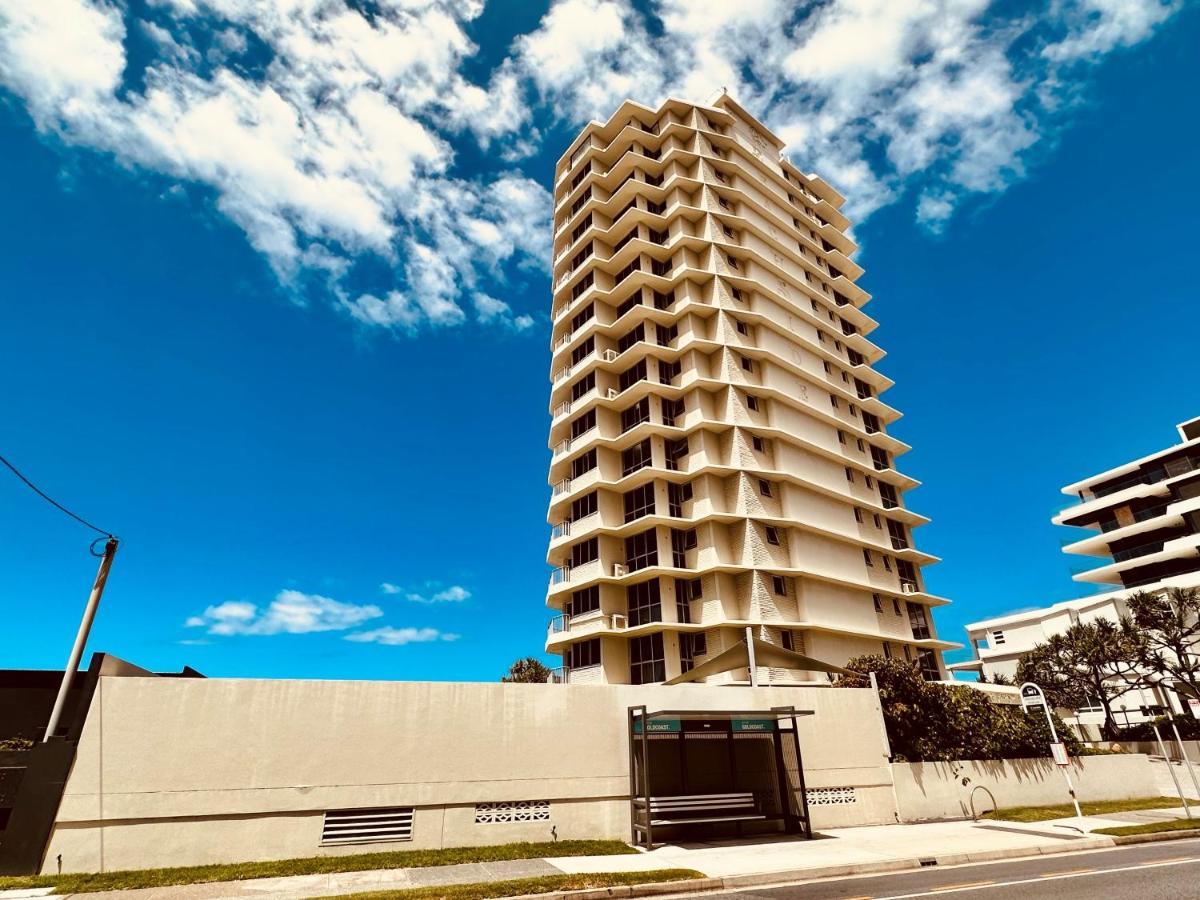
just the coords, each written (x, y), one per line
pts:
(1041, 879)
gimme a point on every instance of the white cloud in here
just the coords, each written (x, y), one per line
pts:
(338, 149)
(395, 637)
(453, 594)
(291, 612)
(388, 588)
(938, 98)
(340, 146)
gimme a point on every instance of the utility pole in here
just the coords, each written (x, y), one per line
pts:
(85, 628)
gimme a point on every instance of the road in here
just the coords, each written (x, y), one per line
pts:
(1170, 869)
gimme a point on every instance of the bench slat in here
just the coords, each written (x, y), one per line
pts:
(663, 822)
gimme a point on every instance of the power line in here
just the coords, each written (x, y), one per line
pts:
(37, 490)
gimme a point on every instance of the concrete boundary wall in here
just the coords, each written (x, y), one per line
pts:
(944, 790)
(176, 772)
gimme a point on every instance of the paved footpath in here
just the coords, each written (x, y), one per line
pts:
(835, 852)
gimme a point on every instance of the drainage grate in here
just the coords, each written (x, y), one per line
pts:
(367, 826)
(926, 863)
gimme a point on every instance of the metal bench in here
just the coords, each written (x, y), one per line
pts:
(690, 809)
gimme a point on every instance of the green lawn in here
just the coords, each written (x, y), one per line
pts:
(313, 865)
(1152, 827)
(1066, 810)
(520, 886)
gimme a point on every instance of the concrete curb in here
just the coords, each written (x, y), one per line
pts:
(765, 879)
(1154, 838)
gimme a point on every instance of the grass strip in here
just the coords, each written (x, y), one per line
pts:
(1151, 827)
(543, 884)
(312, 865)
(1067, 810)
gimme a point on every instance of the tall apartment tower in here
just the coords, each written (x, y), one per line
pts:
(721, 455)
(1145, 518)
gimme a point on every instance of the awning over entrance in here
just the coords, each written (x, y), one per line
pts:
(738, 657)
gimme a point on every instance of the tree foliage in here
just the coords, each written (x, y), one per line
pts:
(928, 721)
(529, 670)
(1090, 661)
(1168, 628)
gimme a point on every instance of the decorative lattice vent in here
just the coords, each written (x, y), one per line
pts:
(367, 826)
(512, 811)
(835, 796)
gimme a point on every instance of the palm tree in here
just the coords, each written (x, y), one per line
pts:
(1169, 624)
(528, 670)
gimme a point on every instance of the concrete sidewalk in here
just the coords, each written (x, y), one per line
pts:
(835, 852)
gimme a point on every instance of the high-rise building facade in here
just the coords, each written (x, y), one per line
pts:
(1144, 517)
(721, 455)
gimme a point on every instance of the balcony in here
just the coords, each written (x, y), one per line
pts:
(1173, 469)
(585, 622)
(1140, 515)
(1135, 552)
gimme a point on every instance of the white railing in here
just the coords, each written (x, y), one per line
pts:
(562, 487)
(562, 529)
(561, 575)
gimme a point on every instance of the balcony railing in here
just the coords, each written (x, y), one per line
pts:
(565, 622)
(562, 529)
(1135, 552)
(1141, 515)
(1173, 469)
(562, 487)
(560, 575)
(558, 676)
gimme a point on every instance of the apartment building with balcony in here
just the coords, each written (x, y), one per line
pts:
(1143, 524)
(721, 455)
(1144, 517)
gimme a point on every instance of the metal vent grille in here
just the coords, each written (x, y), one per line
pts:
(835, 796)
(367, 826)
(512, 811)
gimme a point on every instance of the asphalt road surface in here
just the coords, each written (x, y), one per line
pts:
(1160, 871)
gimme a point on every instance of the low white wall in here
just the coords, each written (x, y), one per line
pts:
(191, 771)
(944, 790)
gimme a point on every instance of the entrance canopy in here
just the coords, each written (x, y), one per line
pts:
(738, 657)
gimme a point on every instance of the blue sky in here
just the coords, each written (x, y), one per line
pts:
(275, 304)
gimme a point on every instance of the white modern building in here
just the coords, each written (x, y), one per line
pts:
(1144, 524)
(722, 456)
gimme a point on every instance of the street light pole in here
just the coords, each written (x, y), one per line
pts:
(1031, 690)
(85, 627)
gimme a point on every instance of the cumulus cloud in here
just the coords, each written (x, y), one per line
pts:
(395, 637)
(937, 99)
(331, 149)
(331, 133)
(291, 612)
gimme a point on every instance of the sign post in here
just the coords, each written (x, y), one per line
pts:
(1032, 699)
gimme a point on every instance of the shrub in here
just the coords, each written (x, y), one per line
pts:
(928, 721)
(1189, 730)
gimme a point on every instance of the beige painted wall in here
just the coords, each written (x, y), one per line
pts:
(927, 791)
(192, 771)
